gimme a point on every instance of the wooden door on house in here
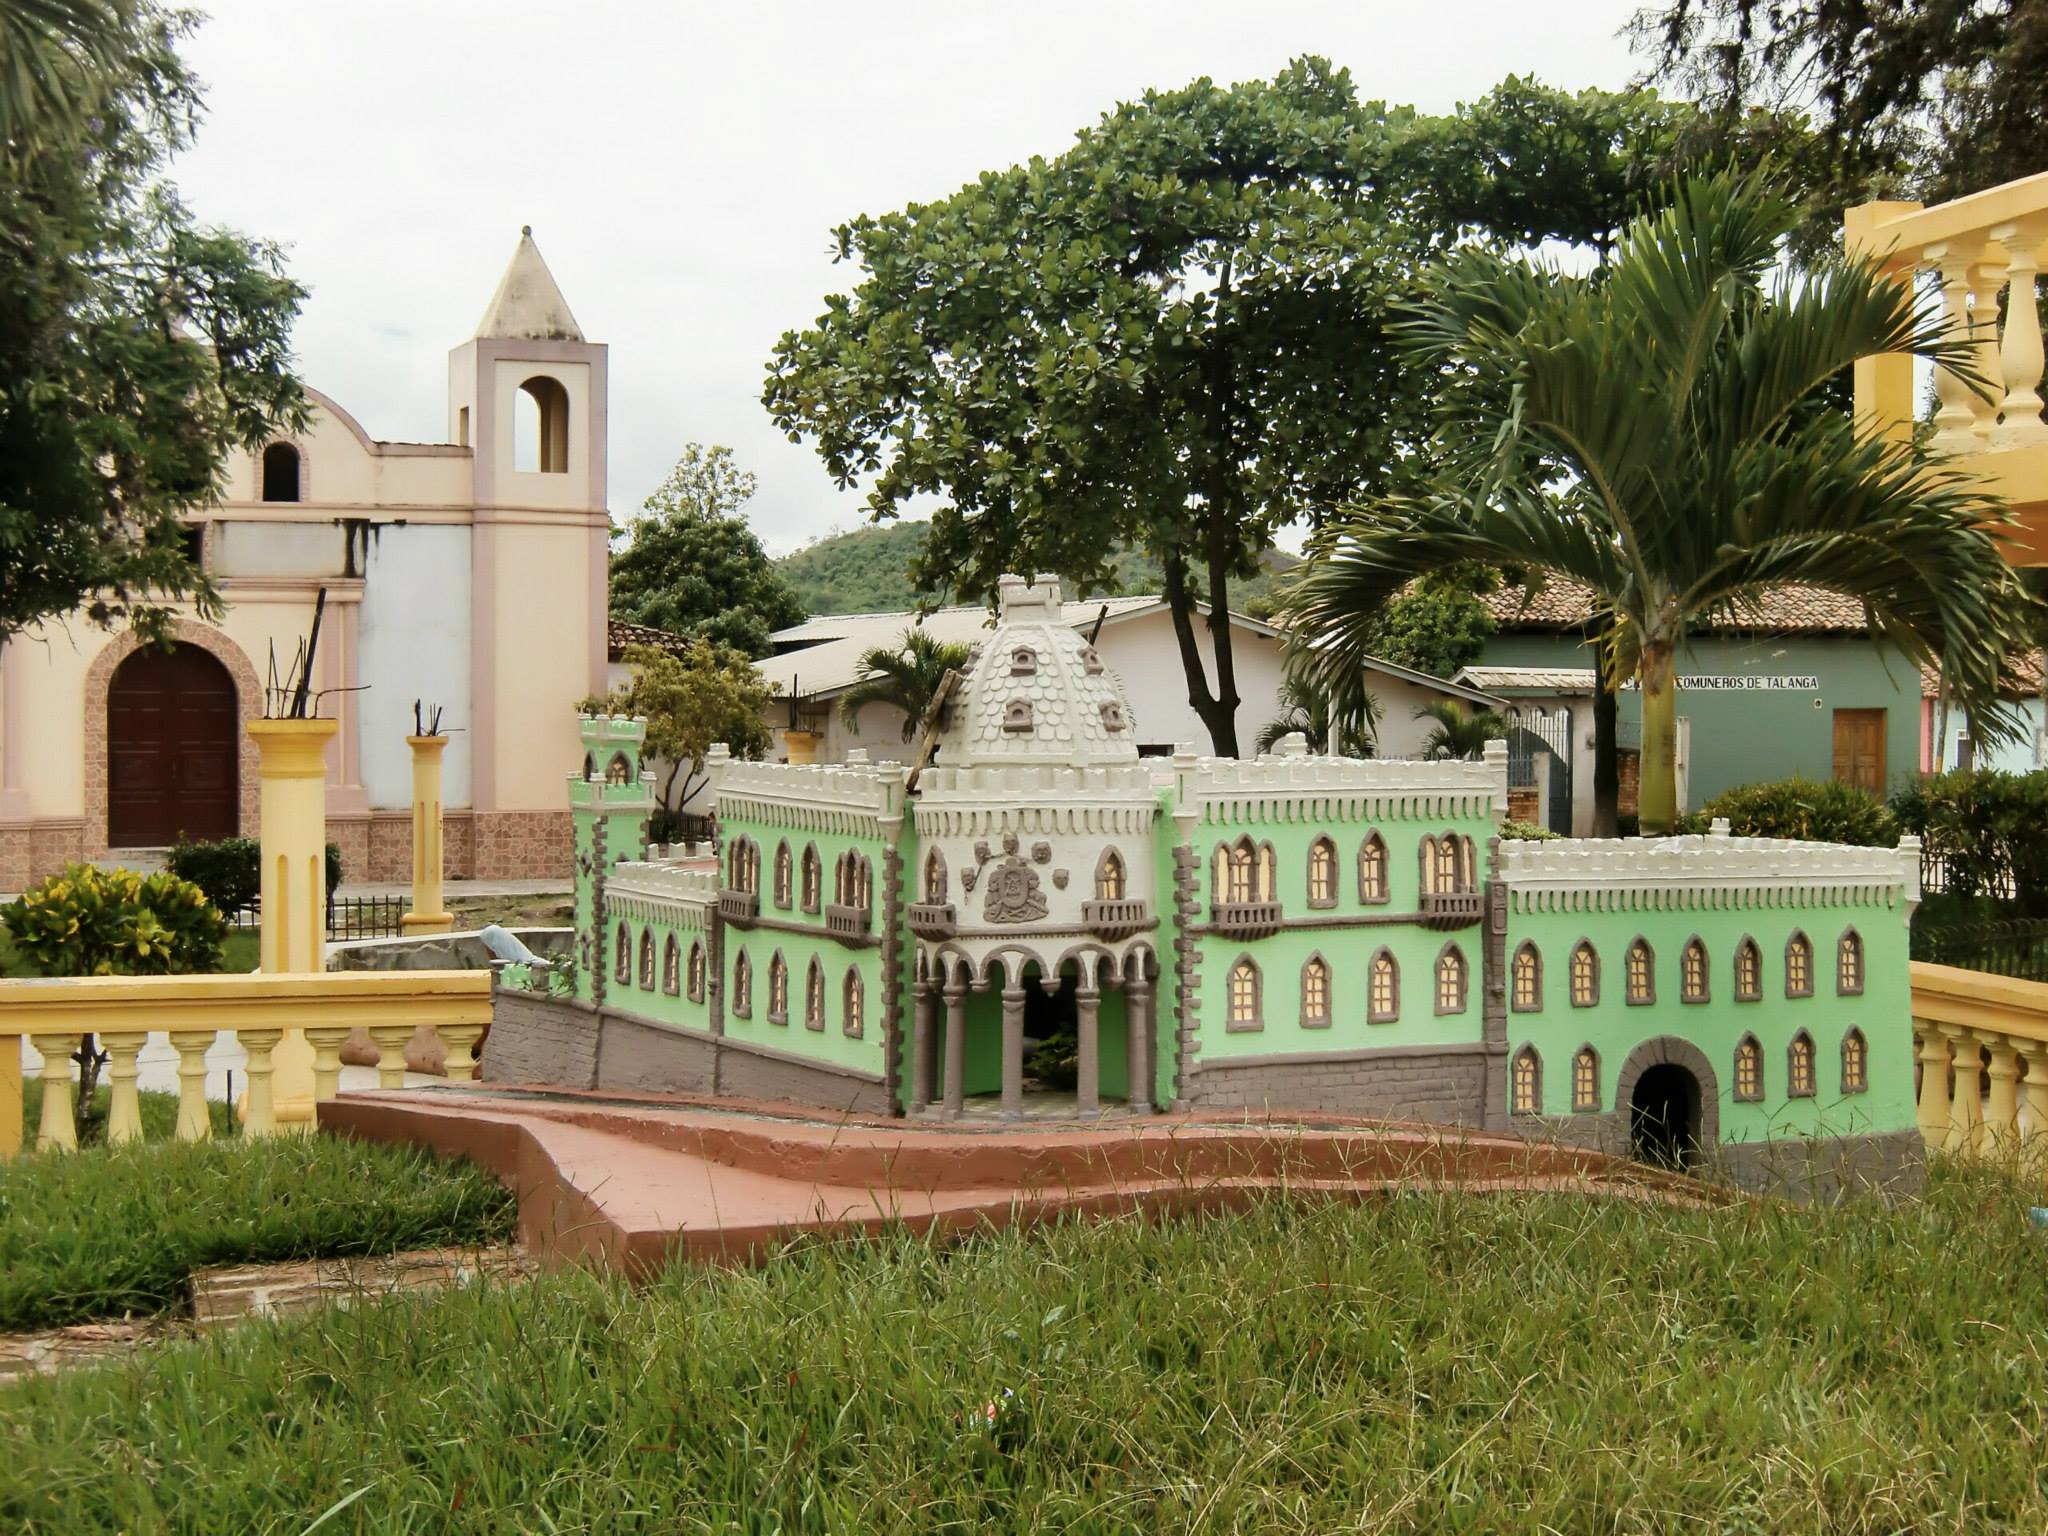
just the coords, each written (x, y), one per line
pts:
(1859, 748)
(171, 749)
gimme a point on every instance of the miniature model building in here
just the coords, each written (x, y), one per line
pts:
(1292, 933)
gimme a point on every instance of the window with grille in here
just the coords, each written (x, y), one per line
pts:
(1855, 1062)
(1586, 1081)
(1234, 872)
(742, 984)
(1692, 972)
(1799, 1067)
(778, 989)
(1383, 989)
(1528, 1082)
(1642, 976)
(646, 960)
(1849, 964)
(1268, 873)
(934, 877)
(782, 874)
(1109, 876)
(813, 877)
(1315, 993)
(853, 1022)
(814, 997)
(1798, 966)
(1322, 873)
(622, 965)
(1372, 869)
(1749, 1070)
(1525, 988)
(1243, 994)
(696, 972)
(1585, 976)
(1749, 972)
(1450, 980)
(671, 967)
(1451, 864)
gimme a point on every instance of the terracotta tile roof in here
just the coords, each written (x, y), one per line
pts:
(1783, 610)
(2022, 679)
(619, 634)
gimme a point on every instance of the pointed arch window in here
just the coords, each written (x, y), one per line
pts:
(934, 877)
(778, 989)
(813, 877)
(1372, 869)
(1527, 1082)
(1322, 873)
(1244, 871)
(1110, 884)
(1799, 1071)
(1586, 1081)
(1856, 1062)
(695, 971)
(742, 985)
(1242, 994)
(1749, 1070)
(1269, 873)
(1383, 989)
(1315, 993)
(671, 966)
(1585, 975)
(1749, 971)
(853, 1016)
(1849, 964)
(1642, 973)
(1799, 966)
(1525, 989)
(783, 872)
(1426, 863)
(1451, 978)
(619, 770)
(1692, 971)
(622, 964)
(863, 883)
(814, 996)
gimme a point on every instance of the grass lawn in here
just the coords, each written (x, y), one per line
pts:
(1431, 1362)
(240, 952)
(113, 1231)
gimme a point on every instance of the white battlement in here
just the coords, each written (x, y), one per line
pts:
(1710, 871)
(692, 884)
(875, 789)
(1275, 787)
(1015, 780)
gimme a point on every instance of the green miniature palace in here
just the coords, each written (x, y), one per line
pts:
(1295, 933)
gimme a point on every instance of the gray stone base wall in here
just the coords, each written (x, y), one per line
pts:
(1442, 1084)
(1822, 1168)
(537, 1039)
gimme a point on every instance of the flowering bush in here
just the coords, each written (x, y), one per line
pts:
(115, 922)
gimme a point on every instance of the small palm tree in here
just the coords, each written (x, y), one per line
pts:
(1457, 734)
(1306, 712)
(907, 674)
(1663, 438)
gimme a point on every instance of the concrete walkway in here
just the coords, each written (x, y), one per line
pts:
(634, 1182)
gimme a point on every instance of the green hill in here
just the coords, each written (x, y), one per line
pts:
(867, 571)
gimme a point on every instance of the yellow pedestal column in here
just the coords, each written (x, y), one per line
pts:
(293, 772)
(428, 914)
(802, 745)
(10, 1095)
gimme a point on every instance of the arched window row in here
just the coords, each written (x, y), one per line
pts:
(1244, 872)
(1449, 865)
(853, 881)
(743, 861)
(1802, 1066)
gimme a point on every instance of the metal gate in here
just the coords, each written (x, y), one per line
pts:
(1530, 734)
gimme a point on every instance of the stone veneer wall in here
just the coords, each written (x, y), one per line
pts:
(1445, 1084)
(563, 1043)
(521, 845)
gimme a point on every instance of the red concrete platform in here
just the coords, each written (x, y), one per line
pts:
(634, 1182)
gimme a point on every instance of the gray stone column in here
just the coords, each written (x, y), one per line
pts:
(1013, 1051)
(1088, 1084)
(956, 1046)
(1138, 1043)
(920, 1046)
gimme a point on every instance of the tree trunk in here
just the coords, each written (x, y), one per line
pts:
(1657, 797)
(1223, 725)
(1606, 756)
(1180, 604)
(1941, 717)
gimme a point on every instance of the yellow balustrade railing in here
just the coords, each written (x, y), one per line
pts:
(1990, 1034)
(261, 1009)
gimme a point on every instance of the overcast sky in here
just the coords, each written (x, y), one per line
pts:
(682, 164)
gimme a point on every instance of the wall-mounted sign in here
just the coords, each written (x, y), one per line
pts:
(1745, 683)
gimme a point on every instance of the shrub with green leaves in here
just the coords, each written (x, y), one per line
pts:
(115, 922)
(230, 871)
(1512, 830)
(1988, 830)
(1809, 810)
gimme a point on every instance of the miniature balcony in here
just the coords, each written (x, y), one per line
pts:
(1113, 920)
(932, 919)
(1451, 909)
(740, 908)
(847, 922)
(1245, 919)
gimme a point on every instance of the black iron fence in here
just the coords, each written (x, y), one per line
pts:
(348, 917)
(2005, 946)
(1935, 875)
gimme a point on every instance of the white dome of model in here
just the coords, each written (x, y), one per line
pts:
(1037, 693)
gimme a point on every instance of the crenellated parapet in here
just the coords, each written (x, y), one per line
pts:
(680, 895)
(854, 799)
(1319, 790)
(1710, 873)
(1111, 801)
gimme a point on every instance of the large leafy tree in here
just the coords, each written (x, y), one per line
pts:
(1653, 437)
(709, 693)
(907, 675)
(693, 566)
(137, 347)
(1169, 337)
(1928, 98)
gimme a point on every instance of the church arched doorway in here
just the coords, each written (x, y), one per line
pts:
(1664, 1116)
(172, 749)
